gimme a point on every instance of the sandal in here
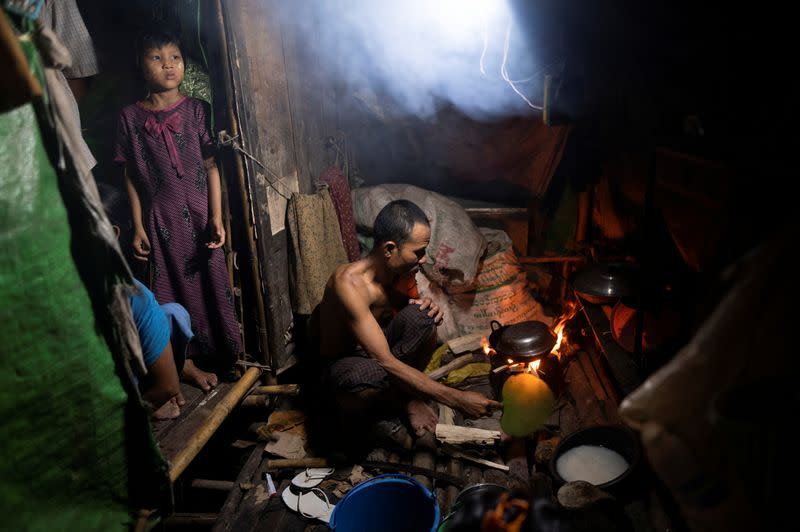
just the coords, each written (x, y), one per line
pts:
(307, 503)
(311, 477)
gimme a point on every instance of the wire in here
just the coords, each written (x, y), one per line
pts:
(226, 140)
(504, 71)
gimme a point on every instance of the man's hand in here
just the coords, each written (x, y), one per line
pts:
(473, 404)
(217, 230)
(141, 246)
(434, 311)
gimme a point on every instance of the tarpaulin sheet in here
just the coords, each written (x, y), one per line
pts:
(64, 463)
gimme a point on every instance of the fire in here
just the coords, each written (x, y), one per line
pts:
(533, 366)
(487, 349)
(571, 310)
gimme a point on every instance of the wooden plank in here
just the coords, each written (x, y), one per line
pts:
(246, 476)
(192, 395)
(173, 438)
(309, 101)
(261, 101)
(456, 434)
(625, 372)
(469, 342)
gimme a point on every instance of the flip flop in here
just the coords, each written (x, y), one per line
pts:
(308, 503)
(311, 477)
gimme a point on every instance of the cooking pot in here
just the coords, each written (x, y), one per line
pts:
(607, 282)
(528, 339)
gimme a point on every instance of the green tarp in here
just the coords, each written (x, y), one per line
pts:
(62, 407)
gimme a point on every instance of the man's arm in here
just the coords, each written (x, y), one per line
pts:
(369, 334)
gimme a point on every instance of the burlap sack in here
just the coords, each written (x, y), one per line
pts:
(456, 244)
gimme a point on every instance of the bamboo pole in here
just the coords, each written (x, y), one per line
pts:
(256, 401)
(207, 429)
(252, 248)
(277, 389)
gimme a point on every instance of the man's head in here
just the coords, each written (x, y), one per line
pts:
(402, 232)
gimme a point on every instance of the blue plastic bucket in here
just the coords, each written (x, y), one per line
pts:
(389, 503)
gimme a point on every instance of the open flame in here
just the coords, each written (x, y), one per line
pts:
(571, 310)
(487, 349)
(532, 367)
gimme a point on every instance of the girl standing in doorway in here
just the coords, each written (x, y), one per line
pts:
(164, 146)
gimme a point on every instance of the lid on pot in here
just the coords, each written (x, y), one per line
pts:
(529, 338)
(609, 280)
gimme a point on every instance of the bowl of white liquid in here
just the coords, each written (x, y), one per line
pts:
(607, 456)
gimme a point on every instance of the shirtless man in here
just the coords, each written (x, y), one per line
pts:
(363, 363)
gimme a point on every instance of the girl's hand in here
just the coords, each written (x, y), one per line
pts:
(217, 235)
(141, 246)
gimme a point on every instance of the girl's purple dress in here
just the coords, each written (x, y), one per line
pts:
(164, 151)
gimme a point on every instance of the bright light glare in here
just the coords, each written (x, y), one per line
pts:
(425, 52)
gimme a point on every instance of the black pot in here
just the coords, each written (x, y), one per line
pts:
(526, 340)
(470, 506)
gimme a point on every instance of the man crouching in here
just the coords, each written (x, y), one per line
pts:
(374, 340)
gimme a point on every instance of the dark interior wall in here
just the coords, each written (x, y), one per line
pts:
(706, 82)
(286, 112)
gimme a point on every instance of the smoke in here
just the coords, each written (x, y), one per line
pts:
(416, 56)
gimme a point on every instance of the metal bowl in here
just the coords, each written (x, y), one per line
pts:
(607, 282)
(528, 339)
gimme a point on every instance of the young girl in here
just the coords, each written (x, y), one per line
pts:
(164, 144)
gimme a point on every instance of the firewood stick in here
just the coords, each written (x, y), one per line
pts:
(455, 453)
(277, 389)
(457, 363)
(456, 434)
(220, 485)
(210, 426)
(414, 470)
(295, 463)
(469, 342)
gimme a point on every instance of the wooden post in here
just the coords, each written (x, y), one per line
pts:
(218, 415)
(244, 197)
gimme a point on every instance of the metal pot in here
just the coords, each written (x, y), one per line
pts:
(607, 282)
(526, 340)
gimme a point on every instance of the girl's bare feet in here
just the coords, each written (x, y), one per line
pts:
(168, 410)
(194, 375)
